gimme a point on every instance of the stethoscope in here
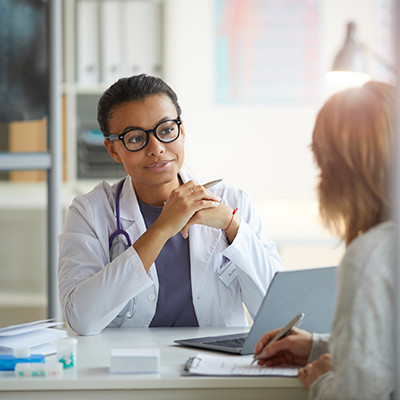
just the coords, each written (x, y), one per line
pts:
(119, 230)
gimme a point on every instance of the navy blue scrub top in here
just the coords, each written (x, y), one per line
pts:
(174, 303)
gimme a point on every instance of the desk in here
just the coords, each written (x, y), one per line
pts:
(92, 379)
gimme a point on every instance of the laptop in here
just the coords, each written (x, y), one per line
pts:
(309, 291)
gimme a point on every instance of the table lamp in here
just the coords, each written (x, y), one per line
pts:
(349, 64)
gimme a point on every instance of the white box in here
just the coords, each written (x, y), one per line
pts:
(134, 360)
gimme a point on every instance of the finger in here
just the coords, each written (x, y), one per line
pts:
(325, 357)
(277, 347)
(186, 189)
(196, 196)
(302, 371)
(275, 361)
(324, 363)
(199, 206)
(303, 376)
(200, 192)
(264, 340)
(196, 218)
(259, 347)
(305, 371)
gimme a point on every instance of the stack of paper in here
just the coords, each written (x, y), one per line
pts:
(39, 336)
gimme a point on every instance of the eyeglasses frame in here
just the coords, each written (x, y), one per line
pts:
(121, 136)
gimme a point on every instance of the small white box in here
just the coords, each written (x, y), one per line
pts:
(134, 360)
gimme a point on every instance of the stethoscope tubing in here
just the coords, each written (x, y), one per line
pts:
(119, 230)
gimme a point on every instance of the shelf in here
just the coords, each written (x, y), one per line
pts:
(22, 299)
(24, 161)
(33, 196)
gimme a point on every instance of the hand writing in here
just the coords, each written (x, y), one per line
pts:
(294, 349)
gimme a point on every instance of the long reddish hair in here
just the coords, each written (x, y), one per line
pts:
(352, 143)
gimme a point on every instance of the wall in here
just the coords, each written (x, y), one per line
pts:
(273, 163)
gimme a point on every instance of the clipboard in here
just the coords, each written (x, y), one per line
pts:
(215, 365)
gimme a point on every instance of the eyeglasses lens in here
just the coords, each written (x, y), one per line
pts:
(166, 132)
(135, 140)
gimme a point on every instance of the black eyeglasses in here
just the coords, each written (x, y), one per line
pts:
(136, 139)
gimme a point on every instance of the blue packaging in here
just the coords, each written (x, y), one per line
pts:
(8, 361)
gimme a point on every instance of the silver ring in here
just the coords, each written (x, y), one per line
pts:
(191, 190)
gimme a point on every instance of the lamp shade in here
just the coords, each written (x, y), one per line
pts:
(349, 64)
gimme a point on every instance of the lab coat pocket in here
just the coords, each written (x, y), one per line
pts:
(227, 273)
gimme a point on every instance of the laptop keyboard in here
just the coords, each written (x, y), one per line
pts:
(234, 343)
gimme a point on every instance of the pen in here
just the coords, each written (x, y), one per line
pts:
(212, 183)
(281, 334)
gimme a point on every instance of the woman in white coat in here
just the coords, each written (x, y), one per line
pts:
(157, 248)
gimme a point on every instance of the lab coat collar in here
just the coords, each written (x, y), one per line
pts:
(129, 206)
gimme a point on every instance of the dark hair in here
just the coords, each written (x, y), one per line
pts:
(134, 88)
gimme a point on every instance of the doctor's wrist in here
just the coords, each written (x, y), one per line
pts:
(231, 220)
(233, 226)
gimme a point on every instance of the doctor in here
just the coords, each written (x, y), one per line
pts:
(157, 248)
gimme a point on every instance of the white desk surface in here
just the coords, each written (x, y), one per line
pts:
(92, 379)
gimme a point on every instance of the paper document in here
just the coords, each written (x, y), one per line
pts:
(28, 327)
(205, 364)
(39, 336)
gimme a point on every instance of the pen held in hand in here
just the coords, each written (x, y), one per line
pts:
(286, 330)
(211, 183)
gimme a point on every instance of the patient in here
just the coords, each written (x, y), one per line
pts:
(352, 144)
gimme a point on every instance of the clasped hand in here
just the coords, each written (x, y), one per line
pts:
(191, 204)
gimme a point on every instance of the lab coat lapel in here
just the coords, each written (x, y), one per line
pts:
(129, 206)
(202, 242)
(131, 218)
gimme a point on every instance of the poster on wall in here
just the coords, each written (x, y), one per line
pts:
(267, 51)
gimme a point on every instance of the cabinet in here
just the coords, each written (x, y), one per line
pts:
(31, 212)
(38, 24)
(103, 40)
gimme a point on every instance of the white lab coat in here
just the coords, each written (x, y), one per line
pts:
(102, 288)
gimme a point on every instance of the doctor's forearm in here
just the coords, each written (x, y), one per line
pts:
(149, 245)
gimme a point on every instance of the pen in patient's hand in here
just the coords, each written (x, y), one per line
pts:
(281, 334)
(212, 183)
